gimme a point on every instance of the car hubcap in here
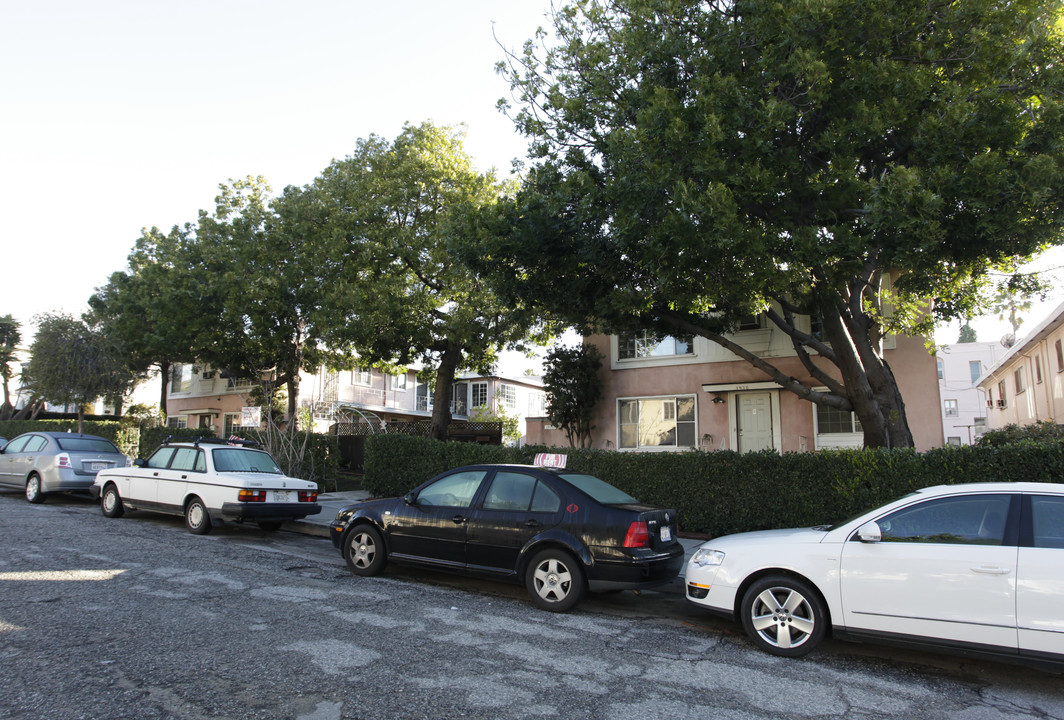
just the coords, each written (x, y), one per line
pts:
(553, 580)
(782, 617)
(364, 550)
(109, 501)
(32, 489)
(195, 515)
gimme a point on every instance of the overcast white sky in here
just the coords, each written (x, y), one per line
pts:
(117, 115)
(122, 114)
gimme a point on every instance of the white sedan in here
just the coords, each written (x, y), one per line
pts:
(208, 481)
(976, 569)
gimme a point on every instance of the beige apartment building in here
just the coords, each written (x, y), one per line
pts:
(200, 397)
(674, 394)
(1027, 384)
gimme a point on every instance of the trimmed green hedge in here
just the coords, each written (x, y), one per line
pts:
(723, 492)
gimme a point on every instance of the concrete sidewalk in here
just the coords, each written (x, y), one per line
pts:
(331, 503)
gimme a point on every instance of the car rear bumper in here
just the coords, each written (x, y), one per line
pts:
(66, 481)
(268, 511)
(634, 574)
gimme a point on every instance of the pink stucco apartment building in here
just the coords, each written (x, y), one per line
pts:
(673, 394)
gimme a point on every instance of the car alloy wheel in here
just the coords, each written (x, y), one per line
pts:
(364, 551)
(33, 489)
(554, 581)
(784, 616)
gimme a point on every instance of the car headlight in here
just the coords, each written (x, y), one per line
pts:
(704, 557)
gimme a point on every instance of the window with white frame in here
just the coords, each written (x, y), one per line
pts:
(631, 346)
(833, 420)
(537, 404)
(360, 376)
(1037, 370)
(941, 368)
(399, 382)
(950, 408)
(177, 421)
(975, 370)
(478, 394)
(1018, 380)
(508, 396)
(232, 422)
(656, 422)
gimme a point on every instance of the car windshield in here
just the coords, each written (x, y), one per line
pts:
(599, 490)
(82, 444)
(244, 460)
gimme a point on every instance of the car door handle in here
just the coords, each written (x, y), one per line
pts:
(532, 524)
(184, 477)
(988, 570)
(458, 519)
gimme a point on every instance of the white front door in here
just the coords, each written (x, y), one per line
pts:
(754, 422)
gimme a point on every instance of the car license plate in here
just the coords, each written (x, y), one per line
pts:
(97, 466)
(280, 496)
(666, 533)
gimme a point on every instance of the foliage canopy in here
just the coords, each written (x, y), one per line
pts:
(863, 164)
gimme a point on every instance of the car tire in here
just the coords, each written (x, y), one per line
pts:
(555, 580)
(111, 502)
(270, 525)
(364, 551)
(197, 519)
(784, 616)
(34, 494)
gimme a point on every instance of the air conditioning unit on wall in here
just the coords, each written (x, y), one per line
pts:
(1001, 403)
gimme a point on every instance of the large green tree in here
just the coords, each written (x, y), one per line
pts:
(10, 337)
(270, 272)
(72, 363)
(390, 214)
(856, 162)
(155, 309)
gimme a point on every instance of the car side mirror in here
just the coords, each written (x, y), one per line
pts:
(410, 499)
(140, 462)
(870, 533)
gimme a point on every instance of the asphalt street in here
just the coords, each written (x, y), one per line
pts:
(137, 618)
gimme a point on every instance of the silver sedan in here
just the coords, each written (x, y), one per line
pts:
(44, 462)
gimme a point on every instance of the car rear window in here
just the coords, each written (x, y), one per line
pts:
(599, 490)
(242, 460)
(77, 444)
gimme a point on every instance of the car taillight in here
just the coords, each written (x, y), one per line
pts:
(638, 535)
(252, 496)
(308, 495)
(62, 460)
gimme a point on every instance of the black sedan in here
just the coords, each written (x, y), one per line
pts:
(559, 532)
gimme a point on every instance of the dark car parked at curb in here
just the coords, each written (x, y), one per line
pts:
(44, 462)
(558, 532)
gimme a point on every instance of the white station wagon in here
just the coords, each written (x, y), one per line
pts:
(208, 481)
(975, 569)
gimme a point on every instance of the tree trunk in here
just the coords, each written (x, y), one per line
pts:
(292, 386)
(441, 401)
(164, 370)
